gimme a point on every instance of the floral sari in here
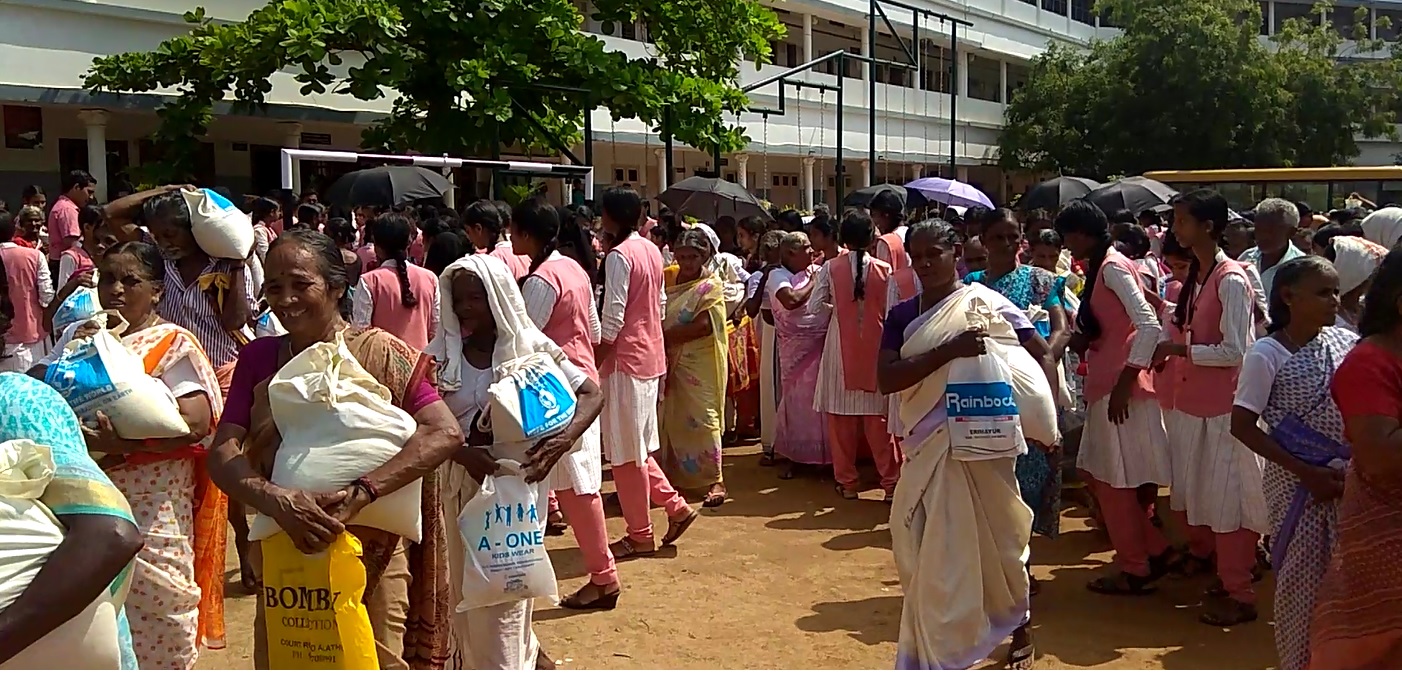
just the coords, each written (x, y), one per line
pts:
(801, 434)
(182, 518)
(693, 401)
(1307, 424)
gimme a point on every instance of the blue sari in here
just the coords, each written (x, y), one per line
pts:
(1038, 478)
(31, 410)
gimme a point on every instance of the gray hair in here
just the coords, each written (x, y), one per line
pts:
(29, 211)
(793, 239)
(1278, 210)
(695, 238)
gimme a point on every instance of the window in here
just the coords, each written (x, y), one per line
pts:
(1265, 18)
(1055, 6)
(984, 79)
(1107, 22)
(1348, 23)
(1081, 12)
(934, 66)
(630, 31)
(1393, 20)
(791, 51)
(1017, 77)
(1285, 11)
(625, 174)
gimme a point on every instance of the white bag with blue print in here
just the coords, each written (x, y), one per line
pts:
(531, 398)
(221, 229)
(503, 534)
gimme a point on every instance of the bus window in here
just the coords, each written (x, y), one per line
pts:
(1340, 190)
(1316, 195)
(1241, 196)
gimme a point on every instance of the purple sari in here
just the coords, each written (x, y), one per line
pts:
(801, 433)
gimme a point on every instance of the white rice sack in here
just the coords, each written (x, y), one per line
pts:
(100, 374)
(81, 305)
(1036, 403)
(337, 425)
(29, 533)
(222, 230)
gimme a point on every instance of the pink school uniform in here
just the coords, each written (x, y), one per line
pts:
(519, 265)
(27, 275)
(414, 325)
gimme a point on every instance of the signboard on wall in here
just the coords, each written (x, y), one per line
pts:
(24, 127)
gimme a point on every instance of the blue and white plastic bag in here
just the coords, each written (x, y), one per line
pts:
(503, 534)
(983, 414)
(100, 374)
(81, 305)
(531, 399)
(221, 229)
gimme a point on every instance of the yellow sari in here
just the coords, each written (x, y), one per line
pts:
(693, 402)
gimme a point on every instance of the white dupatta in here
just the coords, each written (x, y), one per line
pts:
(959, 530)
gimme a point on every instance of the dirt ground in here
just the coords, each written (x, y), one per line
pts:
(787, 575)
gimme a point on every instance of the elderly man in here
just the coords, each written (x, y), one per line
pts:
(1276, 221)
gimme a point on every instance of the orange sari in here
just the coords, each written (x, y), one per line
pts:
(162, 347)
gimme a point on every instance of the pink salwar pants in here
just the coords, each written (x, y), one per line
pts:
(639, 486)
(1132, 535)
(1236, 555)
(585, 513)
(846, 434)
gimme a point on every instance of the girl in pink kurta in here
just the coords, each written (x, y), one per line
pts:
(559, 299)
(1123, 445)
(632, 363)
(1217, 482)
(398, 297)
(854, 285)
(487, 227)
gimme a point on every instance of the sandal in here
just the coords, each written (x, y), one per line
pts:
(1023, 653)
(1189, 565)
(1121, 584)
(789, 471)
(1229, 612)
(766, 457)
(679, 527)
(889, 497)
(715, 497)
(626, 548)
(603, 599)
(849, 494)
(555, 524)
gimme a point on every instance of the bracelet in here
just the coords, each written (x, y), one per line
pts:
(369, 489)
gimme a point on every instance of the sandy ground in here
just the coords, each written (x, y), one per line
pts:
(787, 575)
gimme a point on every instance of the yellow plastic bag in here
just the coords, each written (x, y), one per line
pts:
(312, 607)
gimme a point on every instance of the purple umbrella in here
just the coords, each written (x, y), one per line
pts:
(950, 192)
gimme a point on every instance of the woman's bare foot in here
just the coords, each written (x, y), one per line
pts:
(715, 497)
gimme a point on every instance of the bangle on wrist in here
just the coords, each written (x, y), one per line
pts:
(369, 489)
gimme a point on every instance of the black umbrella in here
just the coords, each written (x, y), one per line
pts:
(1135, 194)
(387, 187)
(709, 199)
(862, 197)
(1053, 193)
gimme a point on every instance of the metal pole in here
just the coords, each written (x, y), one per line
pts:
(953, 93)
(715, 154)
(667, 145)
(871, 94)
(838, 179)
(589, 138)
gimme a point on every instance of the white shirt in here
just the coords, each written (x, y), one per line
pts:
(617, 274)
(1122, 284)
(1238, 323)
(363, 304)
(778, 279)
(540, 299)
(1257, 376)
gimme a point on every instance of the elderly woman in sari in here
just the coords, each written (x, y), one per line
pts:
(800, 331)
(407, 585)
(1284, 381)
(484, 325)
(960, 601)
(100, 540)
(693, 398)
(177, 589)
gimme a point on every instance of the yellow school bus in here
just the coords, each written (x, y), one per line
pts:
(1323, 188)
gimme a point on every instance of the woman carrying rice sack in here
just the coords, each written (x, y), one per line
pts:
(484, 326)
(177, 588)
(100, 540)
(406, 592)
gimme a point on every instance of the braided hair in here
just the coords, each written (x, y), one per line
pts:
(1084, 218)
(392, 233)
(1206, 206)
(857, 234)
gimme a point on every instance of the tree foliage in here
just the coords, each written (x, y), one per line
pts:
(1190, 84)
(462, 73)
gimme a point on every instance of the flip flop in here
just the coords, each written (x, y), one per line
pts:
(714, 499)
(1231, 612)
(676, 529)
(626, 548)
(1121, 584)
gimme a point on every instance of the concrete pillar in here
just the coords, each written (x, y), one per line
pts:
(807, 20)
(742, 169)
(662, 179)
(919, 171)
(806, 200)
(962, 173)
(866, 51)
(1270, 18)
(866, 173)
(292, 138)
(1003, 82)
(964, 58)
(96, 122)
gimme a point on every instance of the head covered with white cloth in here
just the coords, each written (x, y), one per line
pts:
(1384, 226)
(517, 335)
(1355, 259)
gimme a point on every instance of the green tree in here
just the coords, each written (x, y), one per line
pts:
(463, 76)
(1189, 84)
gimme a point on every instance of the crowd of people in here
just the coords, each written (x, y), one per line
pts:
(1187, 349)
